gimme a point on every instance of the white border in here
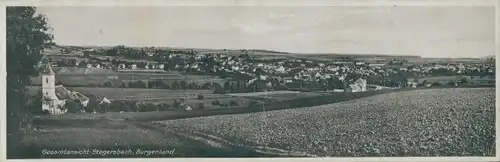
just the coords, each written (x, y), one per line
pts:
(250, 2)
(495, 3)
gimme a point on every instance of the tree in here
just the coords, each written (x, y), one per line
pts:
(227, 85)
(93, 105)
(124, 85)
(140, 84)
(206, 86)
(164, 85)
(183, 84)
(112, 52)
(151, 84)
(200, 97)
(233, 103)
(104, 107)
(218, 89)
(253, 104)
(163, 107)
(175, 85)
(114, 106)
(27, 35)
(143, 107)
(86, 54)
(216, 103)
(128, 106)
(73, 106)
(177, 103)
(193, 85)
(463, 80)
(107, 84)
(201, 106)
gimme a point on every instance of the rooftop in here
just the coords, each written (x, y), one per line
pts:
(47, 70)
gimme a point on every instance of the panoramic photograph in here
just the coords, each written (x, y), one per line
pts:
(250, 81)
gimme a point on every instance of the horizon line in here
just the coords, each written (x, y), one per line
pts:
(285, 52)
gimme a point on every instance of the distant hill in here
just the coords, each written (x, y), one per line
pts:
(489, 56)
(268, 51)
(261, 52)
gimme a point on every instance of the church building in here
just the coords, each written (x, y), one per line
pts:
(54, 96)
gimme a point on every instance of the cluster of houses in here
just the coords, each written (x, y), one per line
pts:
(289, 70)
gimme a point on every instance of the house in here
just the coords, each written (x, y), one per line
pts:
(281, 69)
(412, 83)
(376, 64)
(188, 108)
(55, 97)
(106, 65)
(103, 100)
(358, 86)
(185, 106)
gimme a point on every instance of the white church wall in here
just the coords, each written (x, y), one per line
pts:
(48, 86)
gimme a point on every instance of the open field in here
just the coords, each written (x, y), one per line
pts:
(83, 77)
(443, 122)
(161, 96)
(263, 93)
(81, 71)
(277, 95)
(106, 135)
(136, 93)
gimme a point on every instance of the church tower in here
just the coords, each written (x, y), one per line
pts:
(48, 87)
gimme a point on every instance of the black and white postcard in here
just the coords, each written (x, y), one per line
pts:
(249, 79)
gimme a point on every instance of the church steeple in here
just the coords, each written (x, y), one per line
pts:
(48, 87)
(47, 70)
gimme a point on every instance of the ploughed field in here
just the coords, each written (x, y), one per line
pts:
(432, 122)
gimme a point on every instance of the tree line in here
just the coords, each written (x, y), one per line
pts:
(156, 84)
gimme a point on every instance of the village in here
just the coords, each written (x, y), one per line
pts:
(243, 73)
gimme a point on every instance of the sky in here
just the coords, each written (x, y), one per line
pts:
(425, 31)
